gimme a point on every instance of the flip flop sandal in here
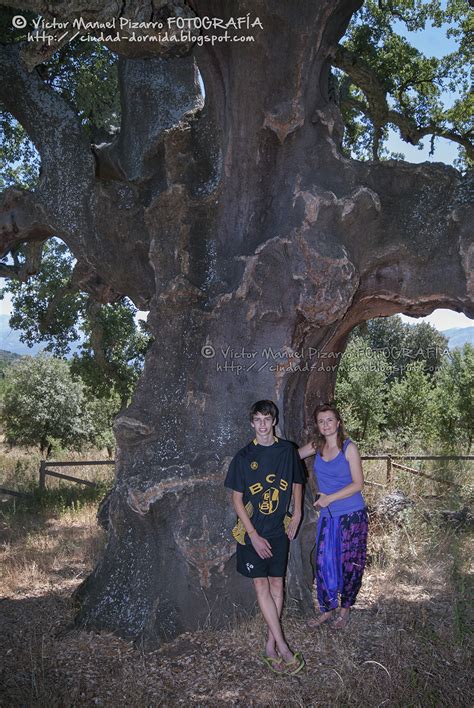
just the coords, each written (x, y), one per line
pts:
(298, 662)
(272, 663)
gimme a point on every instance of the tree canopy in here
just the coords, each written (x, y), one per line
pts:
(383, 81)
(44, 405)
(401, 344)
(400, 386)
(50, 307)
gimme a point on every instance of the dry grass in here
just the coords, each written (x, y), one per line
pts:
(407, 643)
(19, 467)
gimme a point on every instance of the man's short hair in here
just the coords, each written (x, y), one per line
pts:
(265, 408)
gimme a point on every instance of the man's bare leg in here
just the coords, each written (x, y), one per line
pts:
(271, 615)
(276, 591)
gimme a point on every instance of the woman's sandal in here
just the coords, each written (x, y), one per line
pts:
(341, 621)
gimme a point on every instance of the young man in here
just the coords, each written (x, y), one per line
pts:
(266, 473)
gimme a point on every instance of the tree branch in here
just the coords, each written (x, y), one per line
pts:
(395, 12)
(363, 77)
(411, 133)
(22, 218)
(125, 18)
(377, 109)
(89, 281)
(67, 163)
(48, 119)
(45, 321)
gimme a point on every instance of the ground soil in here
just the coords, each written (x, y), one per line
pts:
(406, 644)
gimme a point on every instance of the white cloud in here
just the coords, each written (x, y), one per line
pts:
(442, 319)
(6, 304)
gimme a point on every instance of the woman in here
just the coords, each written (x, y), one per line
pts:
(341, 537)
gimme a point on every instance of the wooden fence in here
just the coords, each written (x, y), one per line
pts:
(394, 466)
(45, 465)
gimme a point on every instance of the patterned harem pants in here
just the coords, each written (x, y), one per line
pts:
(340, 558)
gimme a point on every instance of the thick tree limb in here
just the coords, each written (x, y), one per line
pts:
(46, 320)
(48, 119)
(67, 164)
(363, 76)
(378, 110)
(108, 19)
(22, 270)
(22, 218)
(85, 278)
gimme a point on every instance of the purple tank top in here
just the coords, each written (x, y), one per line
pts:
(331, 477)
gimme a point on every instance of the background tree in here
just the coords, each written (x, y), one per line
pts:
(454, 399)
(410, 407)
(50, 307)
(361, 391)
(102, 412)
(234, 216)
(45, 405)
(388, 391)
(402, 343)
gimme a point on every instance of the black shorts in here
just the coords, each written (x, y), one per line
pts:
(251, 565)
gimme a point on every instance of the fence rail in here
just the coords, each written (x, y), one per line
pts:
(391, 465)
(13, 493)
(44, 471)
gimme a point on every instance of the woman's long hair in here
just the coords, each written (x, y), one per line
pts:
(319, 439)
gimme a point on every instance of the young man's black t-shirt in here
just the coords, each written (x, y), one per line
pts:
(264, 474)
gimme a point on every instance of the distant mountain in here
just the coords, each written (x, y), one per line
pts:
(459, 336)
(10, 339)
(7, 358)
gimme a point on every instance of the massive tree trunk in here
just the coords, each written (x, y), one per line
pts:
(257, 247)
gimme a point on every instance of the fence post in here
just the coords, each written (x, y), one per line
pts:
(42, 476)
(389, 469)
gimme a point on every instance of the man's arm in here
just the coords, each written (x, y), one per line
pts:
(297, 511)
(261, 545)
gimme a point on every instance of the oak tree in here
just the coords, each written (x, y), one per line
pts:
(237, 217)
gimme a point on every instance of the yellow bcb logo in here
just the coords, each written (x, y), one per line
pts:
(270, 478)
(270, 501)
